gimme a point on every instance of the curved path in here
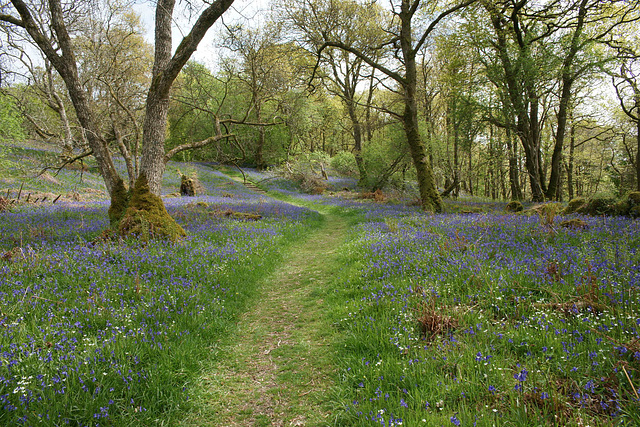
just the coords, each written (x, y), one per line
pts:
(277, 368)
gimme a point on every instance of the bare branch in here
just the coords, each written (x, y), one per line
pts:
(395, 76)
(66, 162)
(440, 17)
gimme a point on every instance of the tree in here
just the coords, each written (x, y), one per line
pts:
(541, 47)
(343, 73)
(264, 72)
(406, 45)
(49, 26)
(627, 89)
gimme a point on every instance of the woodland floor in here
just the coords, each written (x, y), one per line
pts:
(277, 368)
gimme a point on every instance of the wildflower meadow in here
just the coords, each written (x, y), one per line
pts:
(483, 319)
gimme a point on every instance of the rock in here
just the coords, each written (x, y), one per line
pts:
(598, 206)
(574, 205)
(514, 206)
(187, 186)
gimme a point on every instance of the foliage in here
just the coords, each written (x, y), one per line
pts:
(386, 158)
(12, 127)
(306, 170)
(344, 163)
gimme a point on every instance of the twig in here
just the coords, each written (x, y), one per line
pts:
(45, 299)
(630, 383)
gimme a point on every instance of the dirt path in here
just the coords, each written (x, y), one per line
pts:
(278, 367)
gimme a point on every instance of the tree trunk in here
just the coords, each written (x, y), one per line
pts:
(638, 144)
(572, 145)
(260, 164)
(429, 195)
(470, 172)
(514, 179)
(357, 140)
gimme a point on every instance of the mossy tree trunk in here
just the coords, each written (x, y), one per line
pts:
(429, 195)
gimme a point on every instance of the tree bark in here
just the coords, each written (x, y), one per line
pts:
(429, 195)
(514, 179)
(165, 70)
(638, 144)
(357, 140)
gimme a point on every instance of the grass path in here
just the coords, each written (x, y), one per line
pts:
(276, 369)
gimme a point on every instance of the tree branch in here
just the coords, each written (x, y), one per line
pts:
(66, 162)
(435, 22)
(12, 20)
(395, 76)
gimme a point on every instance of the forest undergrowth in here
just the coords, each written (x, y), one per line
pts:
(368, 314)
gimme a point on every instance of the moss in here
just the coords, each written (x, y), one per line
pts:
(634, 198)
(634, 212)
(119, 202)
(599, 206)
(187, 186)
(574, 205)
(514, 206)
(146, 216)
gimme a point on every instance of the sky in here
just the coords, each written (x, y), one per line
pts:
(240, 10)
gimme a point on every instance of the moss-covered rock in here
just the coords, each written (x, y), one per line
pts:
(187, 186)
(574, 205)
(599, 206)
(514, 206)
(146, 216)
(545, 209)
